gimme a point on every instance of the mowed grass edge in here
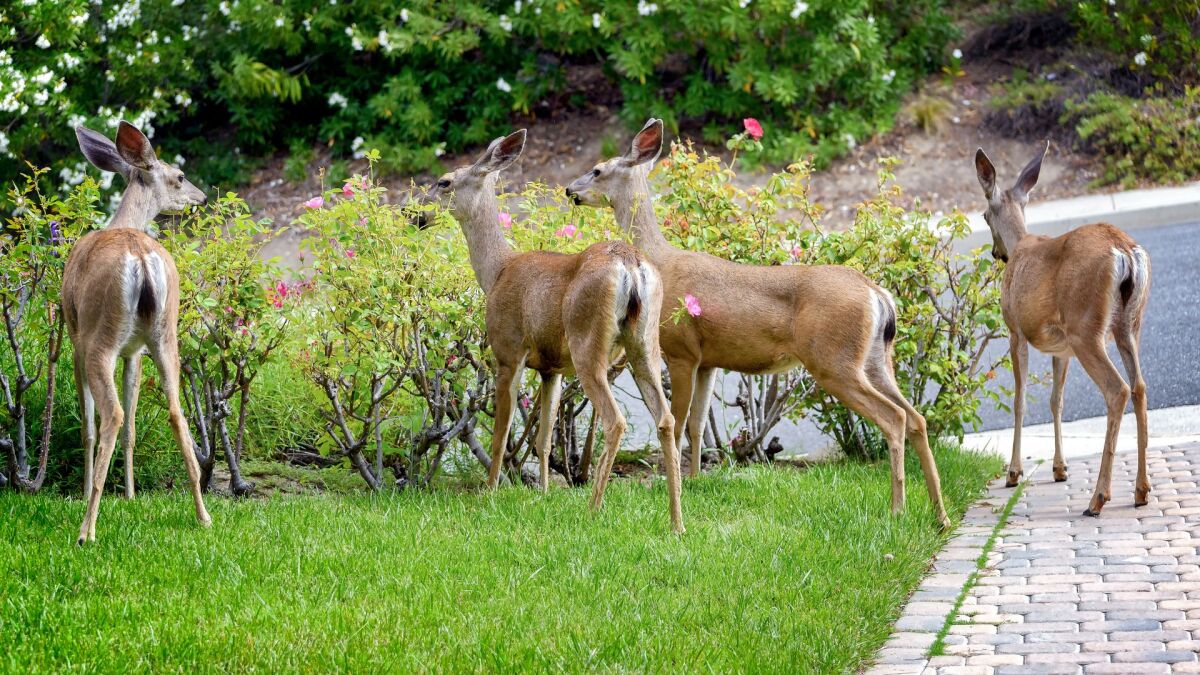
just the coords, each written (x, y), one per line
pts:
(781, 570)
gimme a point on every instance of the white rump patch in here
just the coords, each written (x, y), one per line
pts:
(158, 279)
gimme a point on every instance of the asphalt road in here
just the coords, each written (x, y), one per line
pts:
(1170, 339)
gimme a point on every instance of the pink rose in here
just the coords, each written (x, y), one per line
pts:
(505, 220)
(753, 128)
(569, 231)
(349, 253)
(315, 203)
(692, 304)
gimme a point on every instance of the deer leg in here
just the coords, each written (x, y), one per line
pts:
(683, 382)
(859, 395)
(166, 359)
(131, 382)
(506, 395)
(549, 396)
(646, 373)
(1056, 409)
(1019, 348)
(100, 382)
(698, 415)
(914, 424)
(595, 386)
(87, 422)
(1127, 347)
(1094, 359)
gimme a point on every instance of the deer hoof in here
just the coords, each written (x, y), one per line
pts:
(1014, 477)
(1098, 503)
(944, 525)
(1141, 496)
(1060, 474)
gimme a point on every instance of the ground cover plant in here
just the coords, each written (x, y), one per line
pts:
(791, 570)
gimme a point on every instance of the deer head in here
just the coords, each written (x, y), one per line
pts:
(1005, 214)
(617, 179)
(468, 189)
(154, 186)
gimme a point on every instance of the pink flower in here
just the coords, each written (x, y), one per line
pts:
(281, 289)
(753, 128)
(567, 231)
(362, 221)
(692, 304)
(525, 402)
(348, 189)
(797, 251)
(315, 203)
(505, 220)
(349, 253)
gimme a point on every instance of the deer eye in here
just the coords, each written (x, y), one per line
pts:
(595, 173)
(444, 183)
(180, 179)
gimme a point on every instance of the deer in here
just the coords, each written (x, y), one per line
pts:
(1068, 296)
(120, 296)
(755, 319)
(559, 314)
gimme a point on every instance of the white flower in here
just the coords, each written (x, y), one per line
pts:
(800, 8)
(503, 85)
(517, 7)
(223, 8)
(354, 147)
(889, 76)
(183, 99)
(336, 100)
(1112, 3)
(42, 41)
(279, 21)
(1140, 58)
(40, 97)
(871, 20)
(356, 44)
(595, 21)
(1146, 39)
(647, 8)
(307, 23)
(179, 160)
(505, 23)
(850, 142)
(439, 149)
(743, 3)
(404, 15)
(79, 19)
(75, 120)
(385, 41)
(957, 53)
(3, 142)
(176, 3)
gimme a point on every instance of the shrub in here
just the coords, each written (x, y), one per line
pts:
(1158, 37)
(417, 79)
(234, 315)
(396, 337)
(1155, 139)
(33, 252)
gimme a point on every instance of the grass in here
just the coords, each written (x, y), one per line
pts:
(781, 570)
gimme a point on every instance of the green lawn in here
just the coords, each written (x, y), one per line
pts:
(780, 570)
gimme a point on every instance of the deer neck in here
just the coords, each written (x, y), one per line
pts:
(480, 223)
(1012, 230)
(635, 214)
(138, 206)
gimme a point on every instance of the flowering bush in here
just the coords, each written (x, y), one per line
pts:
(416, 78)
(233, 318)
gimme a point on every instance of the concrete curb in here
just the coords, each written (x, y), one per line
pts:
(1168, 426)
(1131, 210)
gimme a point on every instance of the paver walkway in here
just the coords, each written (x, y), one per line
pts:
(1061, 592)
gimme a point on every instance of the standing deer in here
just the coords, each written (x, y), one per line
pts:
(558, 314)
(831, 319)
(1067, 296)
(120, 292)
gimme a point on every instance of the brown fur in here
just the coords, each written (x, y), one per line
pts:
(831, 319)
(107, 320)
(1068, 296)
(561, 314)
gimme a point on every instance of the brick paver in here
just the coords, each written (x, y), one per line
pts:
(1062, 592)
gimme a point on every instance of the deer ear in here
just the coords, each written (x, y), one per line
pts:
(134, 147)
(986, 173)
(502, 152)
(647, 144)
(1029, 175)
(100, 151)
